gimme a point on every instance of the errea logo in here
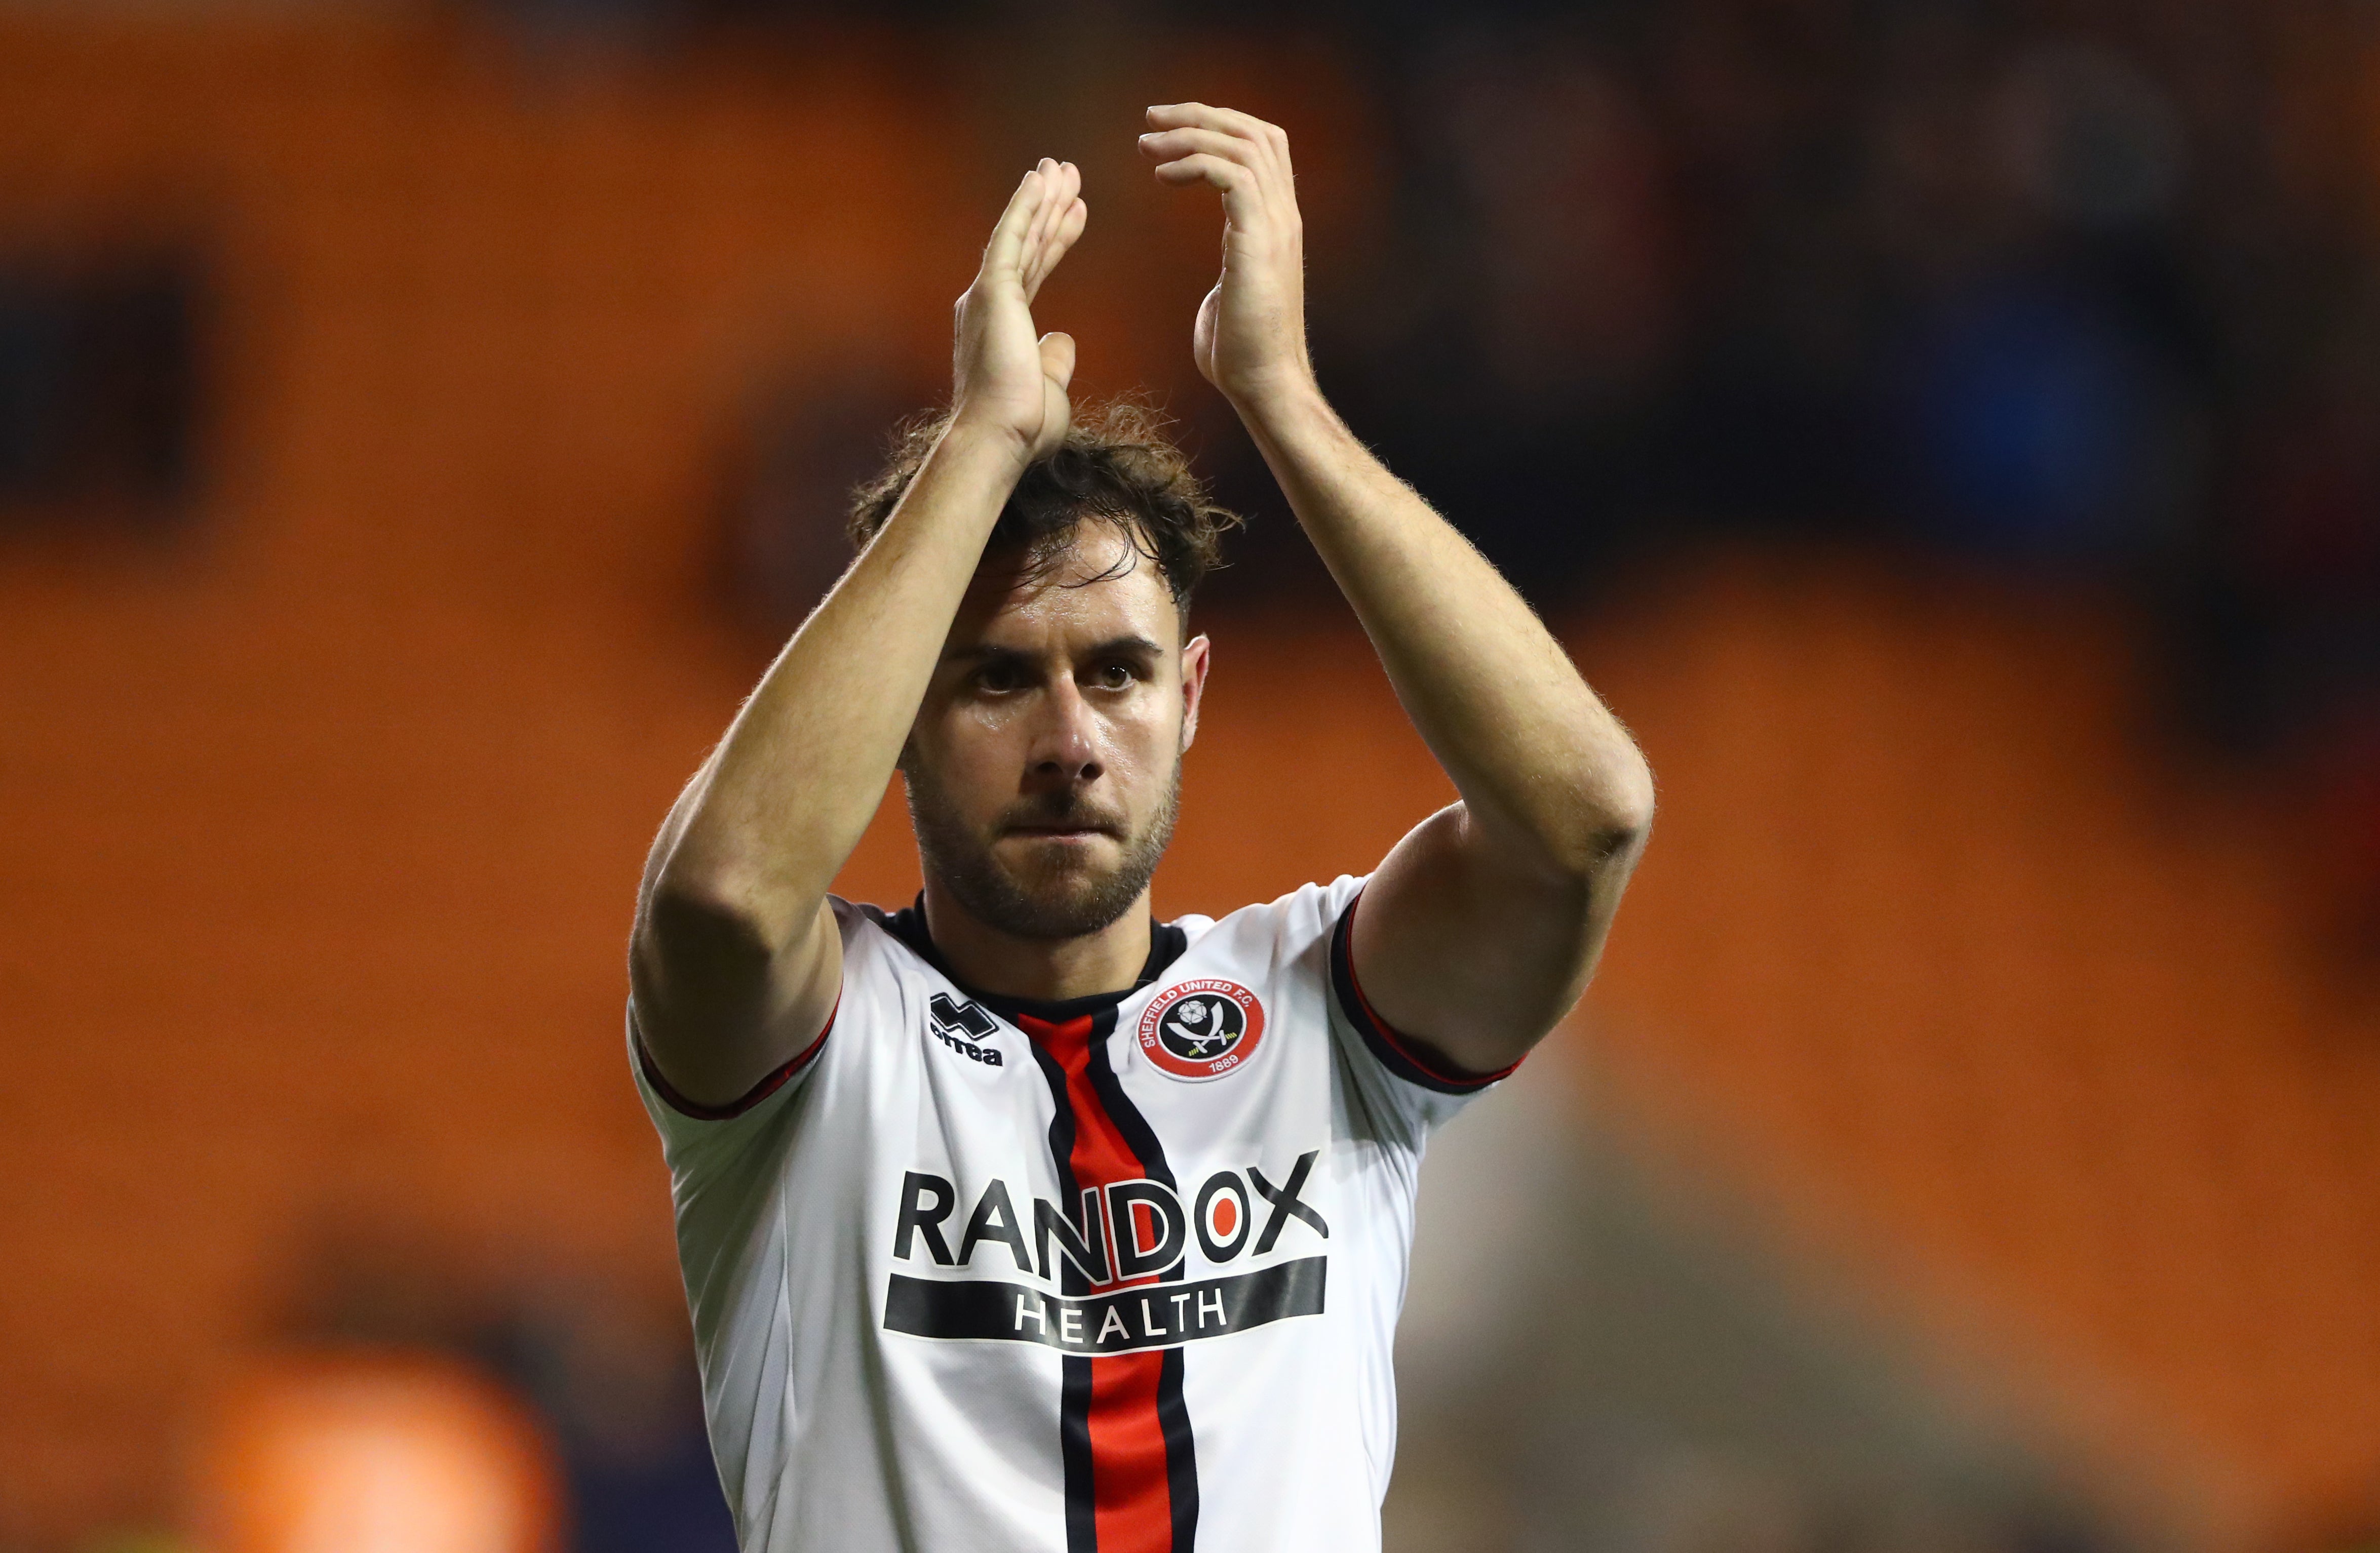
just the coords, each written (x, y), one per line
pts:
(964, 1027)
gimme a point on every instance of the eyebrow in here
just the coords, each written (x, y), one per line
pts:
(1113, 646)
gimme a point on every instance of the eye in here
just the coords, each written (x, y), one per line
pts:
(999, 676)
(1116, 676)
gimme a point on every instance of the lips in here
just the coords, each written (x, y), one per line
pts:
(1072, 822)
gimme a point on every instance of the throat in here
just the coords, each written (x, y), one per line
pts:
(979, 956)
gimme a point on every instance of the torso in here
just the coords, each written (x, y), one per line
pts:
(1121, 1274)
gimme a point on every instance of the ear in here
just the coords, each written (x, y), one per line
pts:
(1197, 653)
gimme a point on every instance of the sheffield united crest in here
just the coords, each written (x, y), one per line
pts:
(1201, 1029)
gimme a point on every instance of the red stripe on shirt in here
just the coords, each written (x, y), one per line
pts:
(1134, 1504)
(1132, 1496)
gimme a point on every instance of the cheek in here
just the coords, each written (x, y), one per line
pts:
(969, 751)
(986, 719)
(1143, 746)
(981, 741)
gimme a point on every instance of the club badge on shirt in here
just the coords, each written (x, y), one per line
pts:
(1201, 1030)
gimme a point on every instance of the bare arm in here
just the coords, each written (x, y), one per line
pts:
(1482, 925)
(736, 963)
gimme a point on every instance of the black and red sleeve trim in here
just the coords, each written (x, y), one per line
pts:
(750, 1097)
(1400, 1054)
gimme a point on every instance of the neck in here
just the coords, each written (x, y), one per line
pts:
(1043, 969)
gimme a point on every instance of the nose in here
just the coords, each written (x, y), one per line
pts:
(1065, 750)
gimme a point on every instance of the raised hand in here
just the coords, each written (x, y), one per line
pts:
(1001, 378)
(1250, 337)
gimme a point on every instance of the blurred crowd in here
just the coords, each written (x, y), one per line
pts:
(2083, 291)
(2087, 291)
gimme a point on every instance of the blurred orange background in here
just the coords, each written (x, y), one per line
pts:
(321, 815)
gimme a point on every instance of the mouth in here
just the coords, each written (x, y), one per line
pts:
(1059, 833)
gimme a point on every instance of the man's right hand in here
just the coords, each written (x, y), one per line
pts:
(738, 959)
(1004, 381)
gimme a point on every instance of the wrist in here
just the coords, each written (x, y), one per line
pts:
(983, 444)
(1278, 399)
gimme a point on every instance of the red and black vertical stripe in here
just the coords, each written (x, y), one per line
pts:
(1131, 1463)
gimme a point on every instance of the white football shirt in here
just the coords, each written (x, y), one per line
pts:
(1117, 1275)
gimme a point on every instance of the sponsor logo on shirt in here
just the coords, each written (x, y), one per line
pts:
(1201, 1030)
(964, 1027)
(1158, 1316)
(1127, 1238)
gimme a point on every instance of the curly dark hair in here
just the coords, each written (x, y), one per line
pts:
(1116, 466)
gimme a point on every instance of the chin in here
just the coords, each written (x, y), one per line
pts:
(1037, 888)
(1059, 902)
(1065, 886)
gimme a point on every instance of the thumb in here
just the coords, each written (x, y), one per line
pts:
(1058, 358)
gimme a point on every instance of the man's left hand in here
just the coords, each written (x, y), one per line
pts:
(1250, 338)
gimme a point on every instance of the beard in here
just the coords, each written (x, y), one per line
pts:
(1057, 893)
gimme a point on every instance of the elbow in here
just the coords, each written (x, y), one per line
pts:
(1630, 803)
(1610, 848)
(1608, 821)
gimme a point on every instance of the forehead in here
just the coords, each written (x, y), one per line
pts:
(1102, 587)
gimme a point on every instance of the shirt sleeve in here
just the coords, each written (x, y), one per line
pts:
(1395, 1071)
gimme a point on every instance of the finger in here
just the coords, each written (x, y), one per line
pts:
(1040, 255)
(1058, 359)
(1065, 191)
(1038, 228)
(1244, 205)
(1004, 253)
(1062, 240)
(1068, 214)
(1237, 182)
(1069, 227)
(1226, 121)
(1172, 145)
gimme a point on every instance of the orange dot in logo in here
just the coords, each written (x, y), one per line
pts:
(1227, 1216)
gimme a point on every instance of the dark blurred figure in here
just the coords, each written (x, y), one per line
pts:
(99, 387)
(611, 1377)
(806, 445)
(617, 1381)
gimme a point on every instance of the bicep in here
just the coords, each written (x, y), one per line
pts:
(1473, 954)
(719, 1008)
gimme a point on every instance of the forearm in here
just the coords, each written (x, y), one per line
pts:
(788, 793)
(1546, 773)
(734, 966)
(1480, 927)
